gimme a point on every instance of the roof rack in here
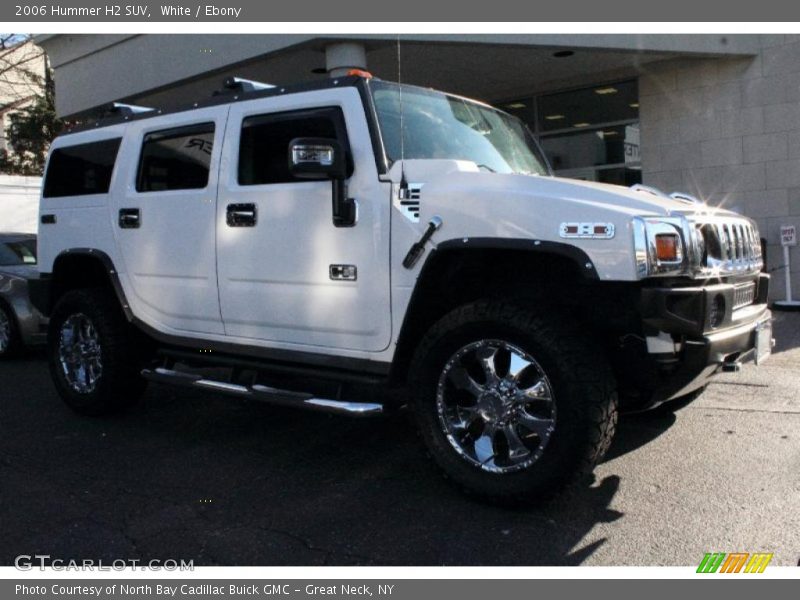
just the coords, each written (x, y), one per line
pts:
(242, 86)
(236, 89)
(126, 110)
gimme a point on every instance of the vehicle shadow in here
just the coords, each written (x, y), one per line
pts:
(191, 476)
(639, 429)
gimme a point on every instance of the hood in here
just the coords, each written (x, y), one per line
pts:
(467, 179)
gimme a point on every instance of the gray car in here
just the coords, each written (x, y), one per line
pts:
(21, 324)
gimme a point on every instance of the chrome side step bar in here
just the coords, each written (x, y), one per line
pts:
(264, 393)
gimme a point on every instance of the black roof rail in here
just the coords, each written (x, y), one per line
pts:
(252, 89)
(242, 86)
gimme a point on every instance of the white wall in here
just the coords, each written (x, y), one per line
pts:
(19, 203)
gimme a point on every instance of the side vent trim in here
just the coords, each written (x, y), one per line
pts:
(409, 201)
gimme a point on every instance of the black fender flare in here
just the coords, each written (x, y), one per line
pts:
(582, 261)
(42, 290)
(409, 333)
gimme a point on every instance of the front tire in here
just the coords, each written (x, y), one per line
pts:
(512, 406)
(95, 361)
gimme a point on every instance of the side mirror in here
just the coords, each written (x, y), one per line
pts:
(313, 158)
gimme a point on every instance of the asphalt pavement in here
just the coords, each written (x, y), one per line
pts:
(187, 475)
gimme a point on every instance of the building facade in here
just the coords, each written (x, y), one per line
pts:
(22, 74)
(714, 116)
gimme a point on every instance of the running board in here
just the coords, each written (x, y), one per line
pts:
(264, 393)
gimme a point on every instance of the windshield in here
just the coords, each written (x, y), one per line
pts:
(436, 125)
(14, 254)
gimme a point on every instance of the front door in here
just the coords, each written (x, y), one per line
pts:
(287, 274)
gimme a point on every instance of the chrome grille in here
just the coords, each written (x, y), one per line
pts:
(744, 295)
(731, 245)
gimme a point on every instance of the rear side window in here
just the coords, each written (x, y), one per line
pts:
(81, 170)
(176, 159)
(264, 142)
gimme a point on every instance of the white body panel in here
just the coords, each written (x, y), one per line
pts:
(81, 221)
(275, 284)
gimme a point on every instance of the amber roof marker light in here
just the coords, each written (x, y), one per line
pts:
(360, 73)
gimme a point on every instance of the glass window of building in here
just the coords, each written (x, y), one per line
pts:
(589, 133)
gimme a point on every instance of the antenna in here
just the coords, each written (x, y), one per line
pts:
(403, 192)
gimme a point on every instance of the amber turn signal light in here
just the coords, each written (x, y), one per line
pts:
(668, 248)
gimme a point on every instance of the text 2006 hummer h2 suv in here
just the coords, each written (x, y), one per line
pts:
(296, 238)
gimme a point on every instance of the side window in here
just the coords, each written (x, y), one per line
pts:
(81, 170)
(175, 159)
(264, 142)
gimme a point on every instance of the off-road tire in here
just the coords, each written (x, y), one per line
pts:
(584, 390)
(120, 385)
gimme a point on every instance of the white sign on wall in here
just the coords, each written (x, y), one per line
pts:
(788, 235)
(632, 155)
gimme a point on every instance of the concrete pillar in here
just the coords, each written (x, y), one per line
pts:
(343, 56)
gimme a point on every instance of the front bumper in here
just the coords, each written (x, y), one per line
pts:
(706, 338)
(703, 358)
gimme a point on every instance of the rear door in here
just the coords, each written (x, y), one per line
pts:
(165, 220)
(287, 274)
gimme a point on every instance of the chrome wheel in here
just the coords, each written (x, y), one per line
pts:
(496, 406)
(79, 353)
(5, 332)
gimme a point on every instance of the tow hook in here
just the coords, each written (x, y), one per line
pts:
(418, 248)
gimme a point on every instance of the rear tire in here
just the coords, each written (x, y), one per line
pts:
(535, 447)
(10, 343)
(94, 355)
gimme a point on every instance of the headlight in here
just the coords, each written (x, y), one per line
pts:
(660, 245)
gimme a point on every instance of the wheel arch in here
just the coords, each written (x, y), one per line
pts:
(80, 268)
(464, 270)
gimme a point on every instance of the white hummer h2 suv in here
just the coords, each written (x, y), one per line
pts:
(354, 245)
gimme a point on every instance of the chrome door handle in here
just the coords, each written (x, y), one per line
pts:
(129, 218)
(241, 215)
